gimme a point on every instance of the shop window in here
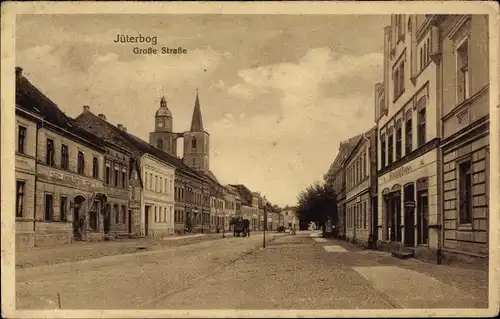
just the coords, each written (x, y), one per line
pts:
(21, 139)
(63, 208)
(49, 152)
(20, 190)
(49, 207)
(465, 196)
(80, 163)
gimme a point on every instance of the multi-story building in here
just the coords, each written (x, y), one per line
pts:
(69, 173)
(360, 172)
(335, 178)
(407, 116)
(27, 122)
(290, 219)
(248, 203)
(463, 53)
(118, 215)
(229, 204)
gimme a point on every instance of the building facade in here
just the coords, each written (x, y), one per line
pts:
(408, 133)
(158, 196)
(69, 173)
(26, 147)
(360, 172)
(465, 166)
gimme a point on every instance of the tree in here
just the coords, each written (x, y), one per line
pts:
(318, 204)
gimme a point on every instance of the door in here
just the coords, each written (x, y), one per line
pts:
(423, 218)
(146, 220)
(397, 213)
(130, 222)
(107, 218)
(409, 216)
(76, 221)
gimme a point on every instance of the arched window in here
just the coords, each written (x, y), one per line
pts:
(159, 143)
(193, 142)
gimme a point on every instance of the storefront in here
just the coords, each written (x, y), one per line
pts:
(407, 200)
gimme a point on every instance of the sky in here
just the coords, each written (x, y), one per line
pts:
(277, 92)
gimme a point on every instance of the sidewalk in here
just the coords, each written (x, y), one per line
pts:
(472, 281)
(38, 256)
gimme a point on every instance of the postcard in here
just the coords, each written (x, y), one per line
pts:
(250, 159)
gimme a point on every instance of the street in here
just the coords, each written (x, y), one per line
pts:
(293, 272)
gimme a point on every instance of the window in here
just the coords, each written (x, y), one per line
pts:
(49, 155)
(421, 127)
(21, 139)
(193, 142)
(364, 215)
(159, 143)
(64, 156)
(365, 172)
(150, 181)
(124, 178)
(108, 173)
(49, 207)
(80, 163)
(399, 80)
(194, 162)
(20, 189)
(390, 151)
(400, 26)
(63, 207)
(465, 196)
(117, 171)
(146, 181)
(161, 184)
(409, 134)
(463, 86)
(382, 151)
(399, 142)
(156, 183)
(95, 167)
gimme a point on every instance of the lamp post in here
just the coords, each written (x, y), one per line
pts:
(264, 202)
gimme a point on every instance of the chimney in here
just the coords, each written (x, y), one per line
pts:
(102, 116)
(119, 126)
(19, 71)
(86, 108)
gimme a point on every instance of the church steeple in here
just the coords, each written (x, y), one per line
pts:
(197, 121)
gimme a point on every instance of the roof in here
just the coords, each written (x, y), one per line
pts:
(31, 99)
(163, 110)
(356, 145)
(345, 149)
(197, 121)
(245, 194)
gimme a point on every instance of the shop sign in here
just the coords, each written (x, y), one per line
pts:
(410, 204)
(25, 164)
(73, 180)
(400, 172)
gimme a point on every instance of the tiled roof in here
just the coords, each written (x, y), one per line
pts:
(29, 98)
(245, 194)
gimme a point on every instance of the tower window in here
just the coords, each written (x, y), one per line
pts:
(159, 143)
(193, 142)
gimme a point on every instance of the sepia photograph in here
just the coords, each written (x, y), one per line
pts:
(262, 159)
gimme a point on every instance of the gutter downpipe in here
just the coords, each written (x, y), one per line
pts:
(370, 236)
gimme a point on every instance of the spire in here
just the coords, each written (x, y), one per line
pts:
(197, 121)
(163, 101)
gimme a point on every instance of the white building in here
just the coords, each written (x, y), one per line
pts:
(408, 132)
(157, 208)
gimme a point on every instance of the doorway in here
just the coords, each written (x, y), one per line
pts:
(409, 215)
(395, 213)
(422, 217)
(146, 220)
(78, 216)
(374, 220)
(107, 218)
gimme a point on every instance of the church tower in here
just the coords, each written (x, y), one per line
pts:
(196, 142)
(163, 137)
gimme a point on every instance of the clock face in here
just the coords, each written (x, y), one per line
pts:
(160, 124)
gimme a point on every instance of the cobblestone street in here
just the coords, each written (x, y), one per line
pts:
(293, 272)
